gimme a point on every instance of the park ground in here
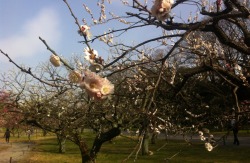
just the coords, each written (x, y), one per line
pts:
(45, 150)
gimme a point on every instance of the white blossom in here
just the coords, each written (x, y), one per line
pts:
(209, 147)
(90, 54)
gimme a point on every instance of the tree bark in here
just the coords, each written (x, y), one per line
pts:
(81, 143)
(103, 137)
(145, 143)
(44, 132)
(61, 142)
(85, 153)
(153, 138)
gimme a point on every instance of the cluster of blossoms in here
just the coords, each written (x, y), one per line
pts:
(96, 86)
(215, 51)
(173, 73)
(237, 70)
(209, 145)
(4, 95)
(161, 9)
(102, 15)
(118, 18)
(193, 19)
(96, 62)
(211, 6)
(154, 129)
(107, 38)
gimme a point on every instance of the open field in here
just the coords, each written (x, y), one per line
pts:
(45, 150)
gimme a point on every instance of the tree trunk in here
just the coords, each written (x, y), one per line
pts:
(81, 143)
(18, 133)
(145, 143)
(222, 126)
(44, 132)
(166, 134)
(153, 138)
(101, 138)
(61, 142)
(84, 153)
(13, 132)
(235, 132)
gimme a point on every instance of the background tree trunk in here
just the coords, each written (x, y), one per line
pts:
(153, 138)
(145, 143)
(61, 142)
(44, 132)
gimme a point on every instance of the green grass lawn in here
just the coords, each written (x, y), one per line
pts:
(46, 151)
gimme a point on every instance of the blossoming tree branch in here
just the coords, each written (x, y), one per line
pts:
(188, 72)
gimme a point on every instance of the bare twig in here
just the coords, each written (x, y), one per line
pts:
(77, 23)
(52, 51)
(140, 145)
(137, 146)
(138, 45)
(168, 159)
(162, 147)
(28, 71)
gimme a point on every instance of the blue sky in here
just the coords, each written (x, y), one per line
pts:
(23, 21)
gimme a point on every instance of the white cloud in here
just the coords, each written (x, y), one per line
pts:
(25, 43)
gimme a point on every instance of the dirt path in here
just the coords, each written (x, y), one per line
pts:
(13, 151)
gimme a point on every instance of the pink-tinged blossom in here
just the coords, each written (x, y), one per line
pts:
(97, 87)
(4, 96)
(55, 60)
(219, 3)
(84, 30)
(161, 9)
(92, 81)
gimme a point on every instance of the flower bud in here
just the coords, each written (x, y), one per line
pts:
(55, 60)
(75, 76)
